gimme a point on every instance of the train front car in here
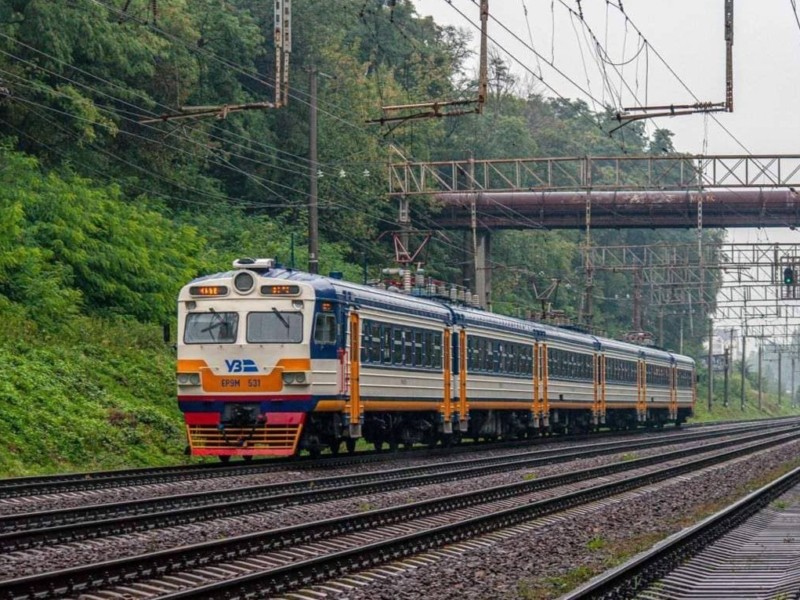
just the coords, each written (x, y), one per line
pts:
(244, 360)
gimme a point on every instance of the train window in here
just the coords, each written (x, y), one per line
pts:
(418, 348)
(386, 344)
(375, 344)
(211, 328)
(276, 327)
(325, 328)
(397, 346)
(437, 351)
(408, 348)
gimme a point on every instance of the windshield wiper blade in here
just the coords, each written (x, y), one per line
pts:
(281, 317)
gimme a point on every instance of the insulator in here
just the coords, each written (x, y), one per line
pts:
(407, 281)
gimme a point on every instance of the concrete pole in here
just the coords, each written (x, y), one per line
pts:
(744, 345)
(759, 374)
(313, 207)
(710, 362)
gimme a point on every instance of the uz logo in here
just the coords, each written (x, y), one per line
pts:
(241, 366)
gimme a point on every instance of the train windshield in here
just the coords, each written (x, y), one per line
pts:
(211, 327)
(276, 327)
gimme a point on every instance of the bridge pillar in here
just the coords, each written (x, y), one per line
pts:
(483, 269)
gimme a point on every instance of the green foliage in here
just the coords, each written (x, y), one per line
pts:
(76, 241)
(98, 395)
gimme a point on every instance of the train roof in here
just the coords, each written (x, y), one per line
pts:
(346, 291)
(363, 295)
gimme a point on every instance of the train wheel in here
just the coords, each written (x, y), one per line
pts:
(334, 447)
(314, 452)
(248, 458)
(378, 446)
(350, 444)
(225, 459)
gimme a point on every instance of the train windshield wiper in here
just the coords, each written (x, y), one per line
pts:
(281, 317)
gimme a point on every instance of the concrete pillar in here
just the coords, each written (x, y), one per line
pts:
(483, 274)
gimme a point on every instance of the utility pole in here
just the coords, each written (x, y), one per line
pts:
(313, 208)
(760, 344)
(780, 384)
(727, 363)
(744, 345)
(710, 362)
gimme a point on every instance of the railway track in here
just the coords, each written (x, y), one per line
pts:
(76, 482)
(31, 530)
(278, 561)
(747, 550)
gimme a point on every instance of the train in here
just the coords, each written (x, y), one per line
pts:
(273, 361)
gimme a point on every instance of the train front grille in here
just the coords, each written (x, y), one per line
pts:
(269, 439)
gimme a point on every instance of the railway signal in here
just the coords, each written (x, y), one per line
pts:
(788, 276)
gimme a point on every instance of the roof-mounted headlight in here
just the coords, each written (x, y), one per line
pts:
(244, 282)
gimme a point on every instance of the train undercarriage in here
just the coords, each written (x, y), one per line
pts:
(394, 430)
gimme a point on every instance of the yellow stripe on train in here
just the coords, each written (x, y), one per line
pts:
(249, 383)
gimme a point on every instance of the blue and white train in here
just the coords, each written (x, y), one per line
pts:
(272, 361)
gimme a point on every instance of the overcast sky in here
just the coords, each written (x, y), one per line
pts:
(689, 35)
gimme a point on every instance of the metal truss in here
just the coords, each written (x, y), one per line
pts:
(739, 283)
(598, 173)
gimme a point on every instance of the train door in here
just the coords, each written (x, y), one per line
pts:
(463, 405)
(641, 387)
(354, 408)
(544, 375)
(601, 382)
(673, 392)
(446, 407)
(541, 409)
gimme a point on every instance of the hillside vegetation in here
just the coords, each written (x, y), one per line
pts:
(103, 217)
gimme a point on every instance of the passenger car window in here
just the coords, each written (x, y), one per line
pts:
(276, 327)
(211, 327)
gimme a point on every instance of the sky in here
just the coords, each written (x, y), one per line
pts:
(689, 35)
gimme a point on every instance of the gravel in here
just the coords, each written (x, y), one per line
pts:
(66, 555)
(552, 558)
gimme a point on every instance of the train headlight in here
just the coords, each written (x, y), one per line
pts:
(188, 378)
(244, 282)
(296, 378)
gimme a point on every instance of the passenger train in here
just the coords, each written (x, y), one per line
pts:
(273, 361)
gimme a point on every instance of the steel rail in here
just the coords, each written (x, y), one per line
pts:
(284, 579)
(94, 480)
(130, 570)
(76, 482)
(645, 568)
(30, 530)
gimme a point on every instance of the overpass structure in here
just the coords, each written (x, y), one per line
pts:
(610, 192)
(587, 193)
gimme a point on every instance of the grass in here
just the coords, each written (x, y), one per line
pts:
(100, 395)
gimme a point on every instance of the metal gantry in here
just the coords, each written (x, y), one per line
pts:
(614, 173)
